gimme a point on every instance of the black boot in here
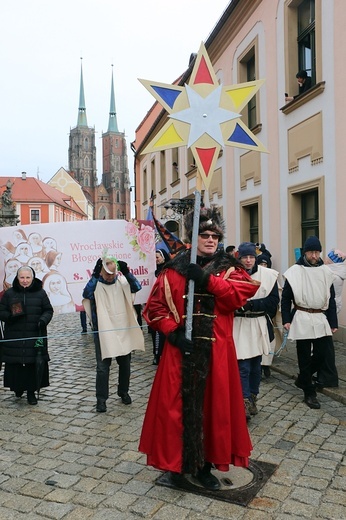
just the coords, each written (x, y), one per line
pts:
(31, 397)
(207, 479)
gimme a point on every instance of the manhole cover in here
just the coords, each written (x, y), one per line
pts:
(238, 485)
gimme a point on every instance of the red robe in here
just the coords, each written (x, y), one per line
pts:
(226, 437)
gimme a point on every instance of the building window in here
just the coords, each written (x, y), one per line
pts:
(251, 106)
(145, 184)
(86, 144)
(306, 207)
(247, 70)
(309, 214)
(153, 176)
(251, 223)
(306, 38)
(118, 196)
(117, 183)
(103, 214)
(175, 165)
(303, 41)
(35, 215)
(163, 180)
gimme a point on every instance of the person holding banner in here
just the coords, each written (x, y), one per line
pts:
(108, 303)
(195, 415)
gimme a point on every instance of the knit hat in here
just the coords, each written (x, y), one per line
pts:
(209, 220)
(336, 256)
(261, 259)
(246, 249)
(312, 244)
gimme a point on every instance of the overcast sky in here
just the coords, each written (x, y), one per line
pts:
(41, 43)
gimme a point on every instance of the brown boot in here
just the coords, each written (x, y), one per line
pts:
(247, 404)
(253, 407)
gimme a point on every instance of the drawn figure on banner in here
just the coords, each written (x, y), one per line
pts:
(35, 240)
(19, 236)
(49, 244)
(53, 260)
(23, 252)
(39, 266)
(11, 268)
(7, 250)
(55, 286)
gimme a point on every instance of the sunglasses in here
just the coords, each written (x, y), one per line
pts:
(206, 236)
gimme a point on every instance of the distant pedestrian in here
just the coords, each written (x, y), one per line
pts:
(162, 258)
(83, 321)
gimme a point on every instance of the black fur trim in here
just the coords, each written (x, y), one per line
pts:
(195, 367)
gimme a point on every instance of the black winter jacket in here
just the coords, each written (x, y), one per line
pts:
(24, 329)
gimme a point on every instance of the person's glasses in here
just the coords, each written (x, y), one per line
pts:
(206, 236)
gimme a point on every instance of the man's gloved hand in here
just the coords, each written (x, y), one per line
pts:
(123, 267)
(97, 268)
(248, 306)
(196, 273)
(178, 339)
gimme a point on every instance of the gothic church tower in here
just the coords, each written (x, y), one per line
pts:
(82, 149)
(111, 198)
(115, 177)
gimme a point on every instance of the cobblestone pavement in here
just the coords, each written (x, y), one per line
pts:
(62, 460)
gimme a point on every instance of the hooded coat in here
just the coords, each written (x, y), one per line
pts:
(24, 329)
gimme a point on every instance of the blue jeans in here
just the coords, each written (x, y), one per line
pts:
(250, 375)
(102, 372)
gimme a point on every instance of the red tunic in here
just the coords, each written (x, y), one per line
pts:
(226, 437)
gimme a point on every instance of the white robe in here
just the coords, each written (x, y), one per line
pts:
(119, 331)
(251, 336)
(311, 289)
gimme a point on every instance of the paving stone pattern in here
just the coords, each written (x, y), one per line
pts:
(61, 460)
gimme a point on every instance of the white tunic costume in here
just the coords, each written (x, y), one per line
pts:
(119, 331)
(251, 336)
(311, 290)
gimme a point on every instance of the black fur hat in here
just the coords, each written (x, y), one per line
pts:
(209, 219)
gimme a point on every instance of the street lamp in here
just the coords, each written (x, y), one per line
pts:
(180, 206)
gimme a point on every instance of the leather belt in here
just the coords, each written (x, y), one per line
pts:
(240, 314)
(311, 311)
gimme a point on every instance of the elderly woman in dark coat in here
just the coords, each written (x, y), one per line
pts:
(26, 311)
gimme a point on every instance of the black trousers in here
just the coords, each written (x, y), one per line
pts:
(311, 360)
(327, 375)
(102, 372)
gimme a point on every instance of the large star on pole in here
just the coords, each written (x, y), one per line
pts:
(204, 116)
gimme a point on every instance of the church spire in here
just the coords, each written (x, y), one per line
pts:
(112, 123)
(82, 119)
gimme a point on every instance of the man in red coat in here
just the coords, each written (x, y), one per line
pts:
(195, 416)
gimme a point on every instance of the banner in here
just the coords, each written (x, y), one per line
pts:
(63, 255)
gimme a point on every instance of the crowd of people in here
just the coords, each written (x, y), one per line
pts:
(210, 362)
